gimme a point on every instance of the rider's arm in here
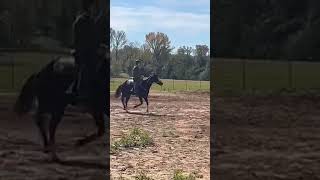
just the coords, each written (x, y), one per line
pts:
(102, 27)
(135, 72)
(83, 31)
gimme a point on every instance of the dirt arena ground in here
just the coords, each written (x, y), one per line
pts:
(184, 116)
(21, 155)
(274, 137)
(178, 124)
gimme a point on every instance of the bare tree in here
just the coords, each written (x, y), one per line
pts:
(188, 50)
(185, 50)
(118, 40)
(112, 34)
(159, 44)
(202, 50)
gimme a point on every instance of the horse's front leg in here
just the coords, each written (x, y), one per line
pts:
(100, 119)
(127, 100)
(146, 99)
(54, 122)
(141, 102)
(39, 120)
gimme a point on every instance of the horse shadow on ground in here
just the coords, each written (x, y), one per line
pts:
(82, 163)
(146, 114)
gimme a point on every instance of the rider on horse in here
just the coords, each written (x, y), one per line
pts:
(137, 73)
(88, 49)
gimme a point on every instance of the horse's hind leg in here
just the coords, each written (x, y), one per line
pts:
(127, 100)
(146, 99)
(122, 100)
(141, 102)
(101, 129)
(40, 122)
(55, 120)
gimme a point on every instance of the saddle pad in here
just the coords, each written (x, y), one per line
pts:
(64, 64)
(130, 81)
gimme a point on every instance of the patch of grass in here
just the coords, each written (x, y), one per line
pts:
(12, 77)
(169, 133)
(113, 149)
(232, 74)
(180, 175)
(135, 138)
(122, 178)
(26, 63)
(142, 176)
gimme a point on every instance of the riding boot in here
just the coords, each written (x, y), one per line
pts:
(74, 88)
(86, 79)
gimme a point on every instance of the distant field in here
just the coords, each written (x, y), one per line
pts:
(236, 74)
(13, 77)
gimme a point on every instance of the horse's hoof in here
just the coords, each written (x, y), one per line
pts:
(54, 158)
(46, 150)
(49, 148)
(79, 143)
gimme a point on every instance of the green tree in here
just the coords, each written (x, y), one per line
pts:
(22, 26)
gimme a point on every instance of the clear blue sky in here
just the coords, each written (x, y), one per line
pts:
(186, 22)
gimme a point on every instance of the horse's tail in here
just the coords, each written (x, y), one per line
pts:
(25, 100)
(118, 91)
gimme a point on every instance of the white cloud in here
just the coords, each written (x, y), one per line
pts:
(150, 18)
(185, 3)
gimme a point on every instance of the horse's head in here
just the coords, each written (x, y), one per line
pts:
(155, 78)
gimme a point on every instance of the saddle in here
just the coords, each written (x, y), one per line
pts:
(63, 65)
(139, 89)
(66, 66)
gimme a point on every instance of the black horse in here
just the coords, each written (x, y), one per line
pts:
(47, 90)
(125, 89)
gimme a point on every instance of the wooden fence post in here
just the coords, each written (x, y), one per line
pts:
(244, 74)
(290, 74)
(12, 72)
(172, 84)
(186, 85)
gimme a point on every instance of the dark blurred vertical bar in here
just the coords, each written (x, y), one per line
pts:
(212, 122)
(244, 74)
(290, 74)
(105, 6)
(12, 72)
(103, 9)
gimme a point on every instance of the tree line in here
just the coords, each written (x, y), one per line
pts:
(156, 53)
(39, 23)
(267, 29)
(34, 23)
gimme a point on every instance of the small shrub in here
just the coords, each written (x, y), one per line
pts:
(142, 176)
(136, 138)
(179, 175)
